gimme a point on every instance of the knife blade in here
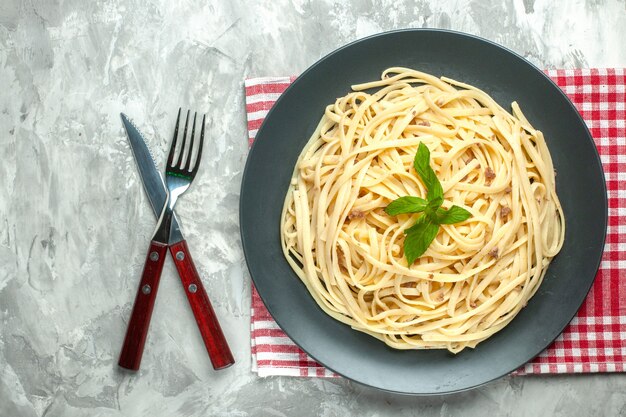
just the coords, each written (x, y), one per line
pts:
(150, 175)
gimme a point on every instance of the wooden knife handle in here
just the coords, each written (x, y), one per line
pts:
(216, 345)
(137, 330)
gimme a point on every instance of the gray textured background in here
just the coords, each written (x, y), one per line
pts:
(74, 222)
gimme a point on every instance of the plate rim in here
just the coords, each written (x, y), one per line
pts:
(520, 58)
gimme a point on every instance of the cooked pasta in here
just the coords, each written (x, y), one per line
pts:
(477, 274)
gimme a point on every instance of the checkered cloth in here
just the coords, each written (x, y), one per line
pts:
(595, 340)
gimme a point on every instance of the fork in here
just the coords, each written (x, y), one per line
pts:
(178, 177)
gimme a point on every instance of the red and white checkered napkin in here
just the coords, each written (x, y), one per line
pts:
(595, 340)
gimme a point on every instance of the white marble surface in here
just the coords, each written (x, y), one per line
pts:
(74, 222)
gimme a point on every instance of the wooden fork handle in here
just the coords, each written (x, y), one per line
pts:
(137, 330)
(214, 340)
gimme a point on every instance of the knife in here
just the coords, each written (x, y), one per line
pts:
(210, 330)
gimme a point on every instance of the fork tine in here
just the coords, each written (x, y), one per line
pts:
(193, 134)
(197, 163)
(170, 157)
(182, 146)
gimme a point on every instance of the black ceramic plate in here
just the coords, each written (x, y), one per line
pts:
(506, 77)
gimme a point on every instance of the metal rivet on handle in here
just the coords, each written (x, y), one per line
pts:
(180, 255)
(193, 288)
(154, 256)
(146, 289)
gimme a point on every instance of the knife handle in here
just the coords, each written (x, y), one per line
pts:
(137, 330)
(209, 327)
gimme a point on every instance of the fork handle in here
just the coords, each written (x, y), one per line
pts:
(209, 327)
(137, 330)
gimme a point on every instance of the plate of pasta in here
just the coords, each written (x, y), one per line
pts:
(423, 211)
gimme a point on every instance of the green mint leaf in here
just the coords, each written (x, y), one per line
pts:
(426, 173)
(408, 204)
(418, 238)
(455, 214)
